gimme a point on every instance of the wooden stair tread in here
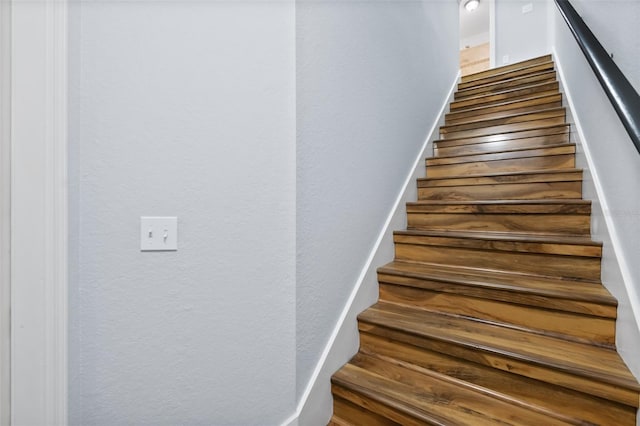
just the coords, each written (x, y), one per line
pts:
(519, 107)
(506, 69)
(558, 149)
(513, 216)
(550, 255)
(499, 136)
(540, 141)
(568, 289)
(516, 81)
(513, 123)
(508, 75)
(594, 363)
(547, 66)
(491, 99)
(503, 177)
(517, 125)
(504, 107)
(505, 237)
(558, 402)
(493, 310)
(517, 117)
(501, 202)
(421, 396)
(504, 94)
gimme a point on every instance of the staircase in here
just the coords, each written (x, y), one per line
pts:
(492, 311)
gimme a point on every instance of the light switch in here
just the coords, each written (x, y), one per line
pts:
(527, 8)
(158, 233)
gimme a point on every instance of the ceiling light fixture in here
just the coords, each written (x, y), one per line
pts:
(471, 5)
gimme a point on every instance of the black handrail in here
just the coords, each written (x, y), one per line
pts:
(623, 96)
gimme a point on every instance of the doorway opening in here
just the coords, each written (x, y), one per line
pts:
(475, 35)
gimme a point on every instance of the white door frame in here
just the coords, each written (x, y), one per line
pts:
(492, 34)
(5, 212)
(39, 233)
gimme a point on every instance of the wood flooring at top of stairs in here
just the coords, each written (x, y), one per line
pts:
(492, 311)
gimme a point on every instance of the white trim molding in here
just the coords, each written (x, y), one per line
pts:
(5, 212)
(39, 212)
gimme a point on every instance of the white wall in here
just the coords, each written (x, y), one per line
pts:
(521, 36)
(614, 23)
(371, 77)
(185, 109)
(613, 176)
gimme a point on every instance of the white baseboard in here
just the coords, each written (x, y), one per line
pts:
(316, 403)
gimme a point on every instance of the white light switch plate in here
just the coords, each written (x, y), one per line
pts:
(158, 233)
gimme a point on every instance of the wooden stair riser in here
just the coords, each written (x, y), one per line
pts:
(514, 191)
(505, 136)
(375, 407)
(535, 103)
(506, 72)
(527, 80)
(343, 409)
(535, 90)
(539, 117)
(543, 259)
(562, 224)
(335, 421)
(600, 365)
(441, 149)
(568, 219)
(551, 400)
(464, 406)
(576, 327)
(503, 155)
(504, 361)
(527, 123)
(538, 298)
(513, 164)
(556, 185)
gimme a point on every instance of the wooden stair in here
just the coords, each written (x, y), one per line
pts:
(493, 312)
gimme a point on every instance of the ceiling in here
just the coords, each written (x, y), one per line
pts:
(476, 22)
